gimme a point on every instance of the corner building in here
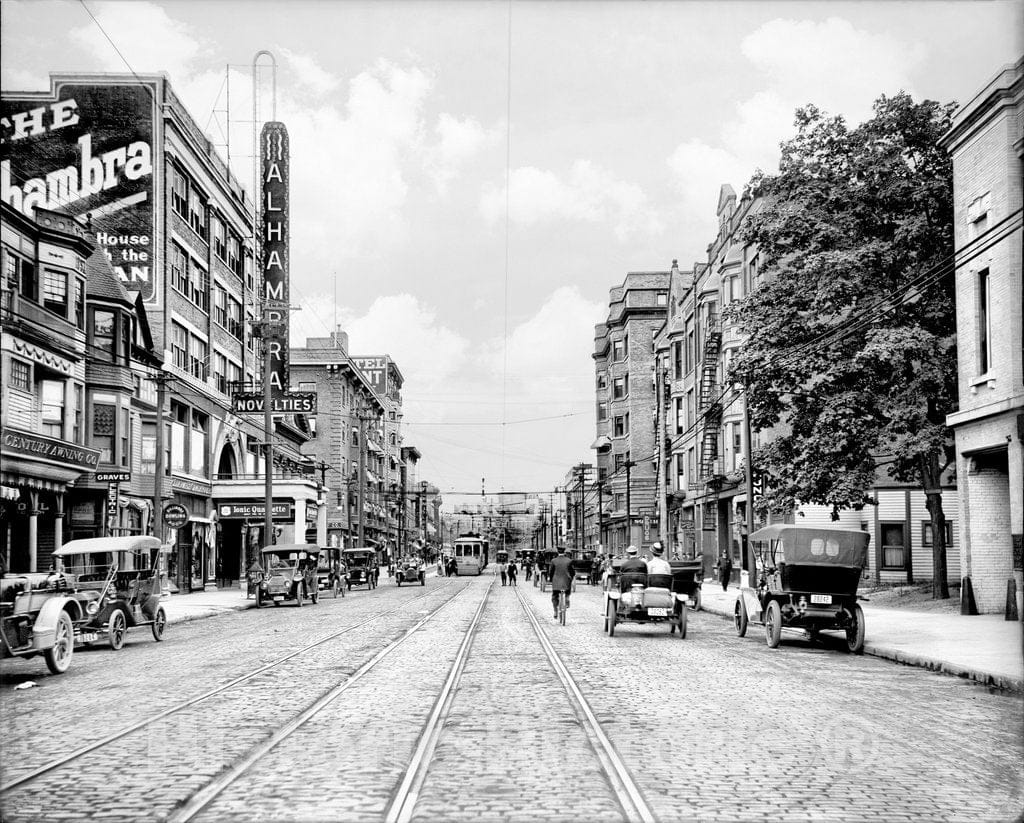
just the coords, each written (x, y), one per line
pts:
(986, 143)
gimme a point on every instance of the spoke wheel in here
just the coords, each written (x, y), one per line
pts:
(773, 624)
(58, 656)
(855, 631)
(117, 628)
(612, 616)
(739, 618)
(159, 624)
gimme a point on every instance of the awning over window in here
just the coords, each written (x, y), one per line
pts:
(602, 442)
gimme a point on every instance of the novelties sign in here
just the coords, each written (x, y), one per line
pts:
(88, 151)
(274, 154)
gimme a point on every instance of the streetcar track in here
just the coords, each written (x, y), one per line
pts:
(620, 778)
(206, 795)
(404, 801)
(185, 704)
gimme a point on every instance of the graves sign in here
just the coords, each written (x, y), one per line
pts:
(87, 150)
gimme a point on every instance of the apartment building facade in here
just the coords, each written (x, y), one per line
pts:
(625, 447)
(986, 144)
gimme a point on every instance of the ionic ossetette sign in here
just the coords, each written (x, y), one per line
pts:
(87, 149)
(274, 154)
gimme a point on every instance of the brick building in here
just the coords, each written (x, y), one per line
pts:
(986, 143)
(625, 444)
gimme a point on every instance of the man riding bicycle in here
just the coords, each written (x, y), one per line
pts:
(560, 577)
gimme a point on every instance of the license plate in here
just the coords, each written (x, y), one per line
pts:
(657, 611)
(824, 599)
(279, 598)
(88, 637)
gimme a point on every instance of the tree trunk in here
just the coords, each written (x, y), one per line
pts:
(940, 584)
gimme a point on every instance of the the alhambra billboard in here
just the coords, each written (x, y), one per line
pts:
(88, 149)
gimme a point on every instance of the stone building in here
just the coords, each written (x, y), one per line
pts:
(986, 143)
(625, 444)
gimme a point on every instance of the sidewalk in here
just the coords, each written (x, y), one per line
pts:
(984, 648)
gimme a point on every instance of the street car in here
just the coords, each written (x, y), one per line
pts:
(117, 582)
(410, 570)
(289, 574)
(806, 578)
(363, 567)
(40, 615)
(637, 597)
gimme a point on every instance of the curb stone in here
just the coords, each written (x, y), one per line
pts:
(1011, 684)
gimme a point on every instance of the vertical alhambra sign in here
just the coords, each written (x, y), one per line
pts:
(274, 152)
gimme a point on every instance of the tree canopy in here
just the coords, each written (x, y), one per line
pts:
(850, 352)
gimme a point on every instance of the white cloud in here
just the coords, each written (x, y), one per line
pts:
(457, 142)
(832, 64)
(311, 77)
(587, 194)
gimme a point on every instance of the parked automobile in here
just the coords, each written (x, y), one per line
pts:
(409, 571)
(806, 579)
(363, 567)
(289, 574)
(40, 615)
(117, 582)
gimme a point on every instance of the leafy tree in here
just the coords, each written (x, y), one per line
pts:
(851, 346)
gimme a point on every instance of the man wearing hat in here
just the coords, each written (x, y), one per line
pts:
(633, 563)
(658, 564)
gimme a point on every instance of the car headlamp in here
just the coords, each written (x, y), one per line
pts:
(92, 607)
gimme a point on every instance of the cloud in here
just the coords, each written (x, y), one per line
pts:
(832, 64)
(457, 142)
(587, 194)
(311, 77)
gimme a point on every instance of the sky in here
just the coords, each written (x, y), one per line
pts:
(469, 179)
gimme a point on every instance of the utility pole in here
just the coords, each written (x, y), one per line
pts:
(158, 478)
(362, 473)
(600, 514)
(748, 478)
(628, 464)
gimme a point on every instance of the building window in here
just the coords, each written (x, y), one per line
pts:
(234, 325)
(148, 449)
(103, 333)
(179, 346)
(620, 387)
(680, 471)
(79, 303)
(179, 193)
(691, 411)
(220, 305)
(197, 213)
(602, 411)
(691, 463)
(126, 437)
(199, 286)
(250, 280)
(220, 243)
(619, 426)
(662, 298)
(926, 533)
(893, 546)
(731, 290)
(677, 359)
(20, 275)
(178, 442)
(197, 444)
(21, 375)
(103, 429)
(197, 357)
(179, 268)
(680, 419)
(51, 395)
(220, 372)
(690, 353)
(618, 350)
(55, 292)
(76, 430)
(234, 253)
(620, 459)
(602, 380)
(984, 323)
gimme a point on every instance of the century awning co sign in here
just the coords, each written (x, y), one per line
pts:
(275, 227)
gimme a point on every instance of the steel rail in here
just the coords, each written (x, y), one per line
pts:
(110, 738)
(206, 795)
(626, 790)
(404, 802)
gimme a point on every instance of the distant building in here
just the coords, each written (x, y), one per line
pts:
(986, 143)
(625, 444)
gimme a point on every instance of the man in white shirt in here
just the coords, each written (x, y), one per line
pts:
(658, 564)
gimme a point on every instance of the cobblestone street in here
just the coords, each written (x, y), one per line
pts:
(712, 727)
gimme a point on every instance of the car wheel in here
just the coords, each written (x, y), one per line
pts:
(682, 621)
(611, 618)
(58, 656)
(299, 594)
(259, 599)
(117, 628)
(423, 580)
(316, 595)
(773, 624)
(739, 618)
(855, 632)
(159, 624)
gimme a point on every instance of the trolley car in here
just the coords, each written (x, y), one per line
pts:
(470, 554)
